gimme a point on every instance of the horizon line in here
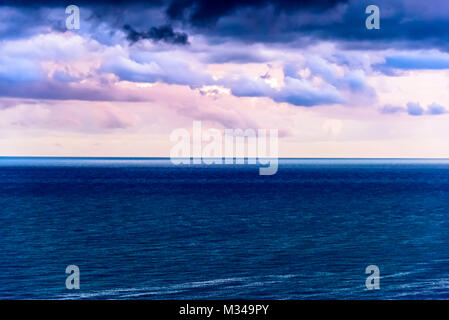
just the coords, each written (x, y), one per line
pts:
(168, 158)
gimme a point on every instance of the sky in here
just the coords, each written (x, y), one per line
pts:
(135, 71)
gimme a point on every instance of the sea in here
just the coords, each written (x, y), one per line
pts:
(144, 228)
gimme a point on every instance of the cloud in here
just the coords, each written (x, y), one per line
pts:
(436, 109)
(218, 35)
(67, 66)
(168, 67)
(247, 64)
(414, 109)
(163, 33)
(405, 24)
(17, 70)
(55, 66)
(302, 93)
(353, 80)
(205, 12)
(390, 109)
(63, 91)
(414, 61)
(230, 53)
(295, 90)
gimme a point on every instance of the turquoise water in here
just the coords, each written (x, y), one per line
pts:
(146, 229)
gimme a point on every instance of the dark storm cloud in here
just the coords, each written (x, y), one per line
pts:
(201, 15)
(163, 33)
(403, 24)
(64, 3)
(203, 12)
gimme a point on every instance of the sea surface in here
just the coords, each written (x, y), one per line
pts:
(147, 229)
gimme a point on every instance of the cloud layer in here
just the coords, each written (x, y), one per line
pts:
(309, 68)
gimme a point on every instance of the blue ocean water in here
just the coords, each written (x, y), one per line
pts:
(146, 229)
